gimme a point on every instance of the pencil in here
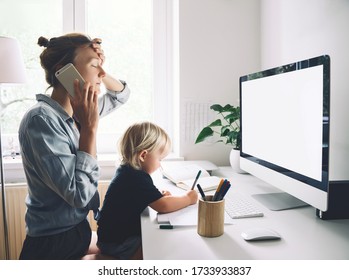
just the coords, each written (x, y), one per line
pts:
(196, 179)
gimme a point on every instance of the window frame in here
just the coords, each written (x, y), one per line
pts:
(166, 97)
(165, 35)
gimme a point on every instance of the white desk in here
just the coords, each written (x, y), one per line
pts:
(304, 236)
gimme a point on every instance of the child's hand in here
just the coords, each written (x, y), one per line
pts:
(165, 193)
(193, 196)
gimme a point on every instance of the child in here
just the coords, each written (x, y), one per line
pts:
(131, 190)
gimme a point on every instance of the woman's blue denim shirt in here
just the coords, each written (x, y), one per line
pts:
(62, 181)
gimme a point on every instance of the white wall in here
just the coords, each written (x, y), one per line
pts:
(219, 41)
(292, 30)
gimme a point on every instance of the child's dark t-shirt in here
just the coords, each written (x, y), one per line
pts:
(129, 193)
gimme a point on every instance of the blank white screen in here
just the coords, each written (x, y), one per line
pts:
(282, 120)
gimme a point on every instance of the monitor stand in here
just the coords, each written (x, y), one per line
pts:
(279, 201)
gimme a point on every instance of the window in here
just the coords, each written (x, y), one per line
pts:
(26, 28)
(126, 30)
(138, 36)
(132, 31)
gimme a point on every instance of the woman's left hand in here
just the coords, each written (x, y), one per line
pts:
(109, 82)
(96, 46)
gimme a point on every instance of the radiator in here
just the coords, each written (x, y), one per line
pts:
(2, 239)
(15, 205)
(15, 208)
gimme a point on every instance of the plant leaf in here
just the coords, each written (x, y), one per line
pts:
(204, 133)
(228, 123)
(233, 117)
(216, 107)
(225, 131)
(228, 108)
(216, 123)
(234, 138)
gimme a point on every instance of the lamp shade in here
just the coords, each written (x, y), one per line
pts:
(12, 70)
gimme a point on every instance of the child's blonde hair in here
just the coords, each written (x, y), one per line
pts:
(139, 137)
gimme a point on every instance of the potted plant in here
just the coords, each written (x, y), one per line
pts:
(227, 127)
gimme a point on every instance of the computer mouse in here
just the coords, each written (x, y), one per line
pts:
(254, 234)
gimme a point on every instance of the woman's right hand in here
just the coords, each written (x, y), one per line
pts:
(85, 108)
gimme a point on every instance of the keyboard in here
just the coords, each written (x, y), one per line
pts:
(239, 206)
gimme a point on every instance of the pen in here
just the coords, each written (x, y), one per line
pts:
(169, 226)
(223, 191)
(201, 192)
(196, 179)
(221, 183)
(166, 227)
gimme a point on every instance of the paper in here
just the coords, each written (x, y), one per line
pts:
(187, 216)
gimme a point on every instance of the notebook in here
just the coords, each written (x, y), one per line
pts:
(183, 175)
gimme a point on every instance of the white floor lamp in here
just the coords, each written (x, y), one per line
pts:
(12, 71)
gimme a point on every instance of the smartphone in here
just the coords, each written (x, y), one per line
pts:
(67, 75)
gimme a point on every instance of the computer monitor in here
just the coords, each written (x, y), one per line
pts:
(285, 120)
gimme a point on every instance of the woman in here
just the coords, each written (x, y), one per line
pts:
(58, 145)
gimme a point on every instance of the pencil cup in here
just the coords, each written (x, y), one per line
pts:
(210, 217)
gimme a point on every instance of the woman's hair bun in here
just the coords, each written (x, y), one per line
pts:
(43, 42)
